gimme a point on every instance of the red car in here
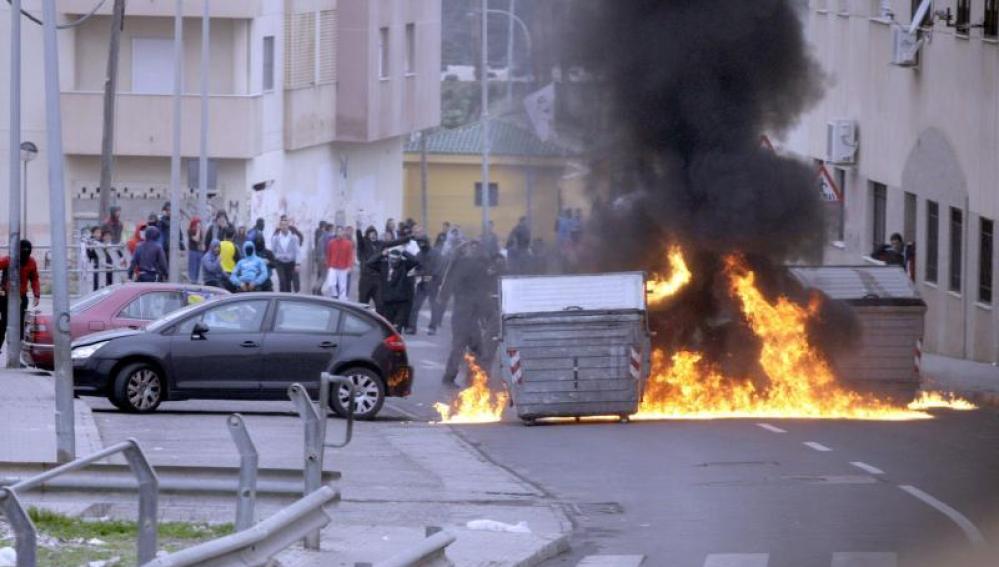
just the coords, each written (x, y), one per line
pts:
(124, 306)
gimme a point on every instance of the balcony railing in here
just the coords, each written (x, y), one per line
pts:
(220, 8)
(144, 125)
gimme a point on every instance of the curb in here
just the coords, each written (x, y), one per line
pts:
(554, 548)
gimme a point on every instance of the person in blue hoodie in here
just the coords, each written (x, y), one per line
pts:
(149, 263)
(251, 272)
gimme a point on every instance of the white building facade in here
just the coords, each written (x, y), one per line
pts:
(310, 104)
(927, 160)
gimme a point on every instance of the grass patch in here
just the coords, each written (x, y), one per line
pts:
(63, 540)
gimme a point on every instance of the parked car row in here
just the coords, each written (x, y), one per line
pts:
(212, 345)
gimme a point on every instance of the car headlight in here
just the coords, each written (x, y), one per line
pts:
(85, 352)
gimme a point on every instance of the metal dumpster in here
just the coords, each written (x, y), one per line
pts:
(574, 346)
(890, 313)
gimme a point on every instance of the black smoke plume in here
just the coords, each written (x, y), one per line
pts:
(678, 94)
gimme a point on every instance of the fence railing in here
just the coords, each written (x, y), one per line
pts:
(25, 535)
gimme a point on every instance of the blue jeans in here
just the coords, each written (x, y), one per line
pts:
(194, 264)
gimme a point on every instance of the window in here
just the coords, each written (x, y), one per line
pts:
(985, 259)
(268, 63)
(879, 195)
(962, 21)
(299, 50)
(327, 46)
(301, 317)
(493, 194)
(383, 50)
(956, 245)
(927, 19)
(909, 226)
(932, 240)
(410, 49)
(153, 305)
(193, 170)
(991, 18)
(354, 325)
(92, 299)
(238, 317)
(152, 65)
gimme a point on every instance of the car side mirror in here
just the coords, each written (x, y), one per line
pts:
(199, 331)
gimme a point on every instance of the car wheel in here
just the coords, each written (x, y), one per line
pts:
(369, 397)
(138, 388)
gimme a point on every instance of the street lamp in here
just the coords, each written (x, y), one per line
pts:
(29, 151)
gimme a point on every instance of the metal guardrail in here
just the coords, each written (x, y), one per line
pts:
(247, 492)
(254, 547)
(429, 553)
(25, 535)
(315, 417)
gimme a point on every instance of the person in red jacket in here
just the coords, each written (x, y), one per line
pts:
(29, 274)
(339, 263)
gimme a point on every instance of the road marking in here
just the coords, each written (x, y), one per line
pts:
(817, 446)
(970, 531)
(865, 560)
(432, 364)
(866, 467)
(737, 560)
(612, 561)
(771, 428)
(418, 343)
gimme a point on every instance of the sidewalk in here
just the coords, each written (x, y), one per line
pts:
(978, 381)
(398, 477)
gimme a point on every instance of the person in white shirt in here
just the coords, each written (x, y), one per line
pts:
(284, 245)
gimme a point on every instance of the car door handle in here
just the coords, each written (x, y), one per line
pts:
(327, 344)
(248, 344)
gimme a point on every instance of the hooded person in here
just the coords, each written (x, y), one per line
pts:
(28, 277)
(393, 266)
(467, 280)
(251, 272)
(114, 225)
(211, 266)
(269, 260)
(149, 263)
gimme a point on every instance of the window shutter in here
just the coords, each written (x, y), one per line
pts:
(299, 50)
(327, 46)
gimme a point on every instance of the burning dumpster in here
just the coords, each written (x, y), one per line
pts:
(890, 313)
(574, 346)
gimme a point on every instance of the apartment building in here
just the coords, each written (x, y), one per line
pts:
(924, 110)
(310, 104)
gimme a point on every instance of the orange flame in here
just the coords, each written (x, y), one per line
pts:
(939, 400)
(801, 383)
(679, 276)
(476, 403)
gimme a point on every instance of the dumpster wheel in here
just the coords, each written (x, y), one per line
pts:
(624, 419)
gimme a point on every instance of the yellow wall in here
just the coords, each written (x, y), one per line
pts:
(451, 195)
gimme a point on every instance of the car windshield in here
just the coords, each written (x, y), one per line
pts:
(88, 301)
(171, 318)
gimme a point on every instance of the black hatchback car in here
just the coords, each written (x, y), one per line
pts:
(249, 346)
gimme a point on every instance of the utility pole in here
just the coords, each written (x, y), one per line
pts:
(486, 142)
(178, 82)
(13, 298)
(65, 431)
(203, 158)
(509, 55)
(423, 179)
(110, 91)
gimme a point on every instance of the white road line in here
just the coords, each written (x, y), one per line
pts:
(737, 560)
(970, 531)
(771, 428)
(864, 560)
(866, 467)
(817, 446)
(432, 364)
(418, 343)
(612, 561)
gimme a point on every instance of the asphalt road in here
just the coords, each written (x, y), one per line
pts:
(734, 493)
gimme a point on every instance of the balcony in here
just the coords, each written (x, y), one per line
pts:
(143, 125)
(240, 9)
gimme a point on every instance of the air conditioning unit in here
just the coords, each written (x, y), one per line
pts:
(905, 47)
(841, 142)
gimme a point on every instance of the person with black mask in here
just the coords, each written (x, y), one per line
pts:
(268, 257)
(368, 247)
(28, 276)
(467, 281)
(392, 268)
(428, 258)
